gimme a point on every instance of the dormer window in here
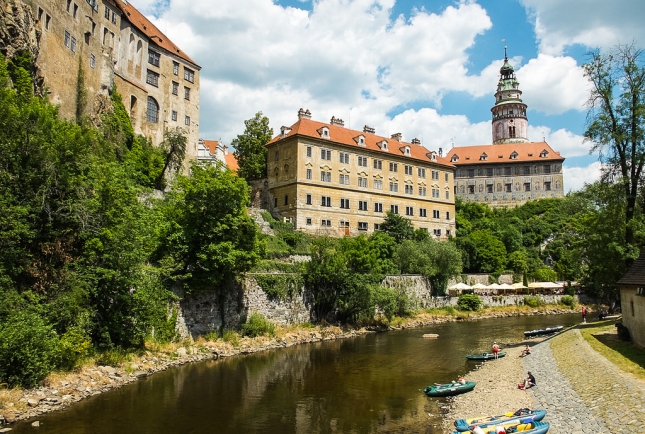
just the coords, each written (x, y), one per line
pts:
(483, 156)
(360, 140)
(433, 156)
(383, 145)
(406, 151)
(544, 154)
(454, 158)
(514, 156)
(324, 132)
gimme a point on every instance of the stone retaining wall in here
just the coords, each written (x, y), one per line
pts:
(199, 313)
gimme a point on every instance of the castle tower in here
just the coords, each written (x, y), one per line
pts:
(510, 124)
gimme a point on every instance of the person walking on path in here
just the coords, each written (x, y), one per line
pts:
(495, 349)
(584, 315)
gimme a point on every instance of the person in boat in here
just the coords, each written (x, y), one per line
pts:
(495, 349)
(461, 380)
(526, 351)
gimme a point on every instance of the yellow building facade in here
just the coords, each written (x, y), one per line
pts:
(328, 179)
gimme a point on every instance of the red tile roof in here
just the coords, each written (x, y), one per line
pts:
(138, 20)
(344, 136)
(527, 152)
(231, 161)
(211, 145)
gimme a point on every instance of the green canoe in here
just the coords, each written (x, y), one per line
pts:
(449, 389)
(484, 356)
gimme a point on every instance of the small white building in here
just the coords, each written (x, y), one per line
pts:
(632, 300)
(213, 151)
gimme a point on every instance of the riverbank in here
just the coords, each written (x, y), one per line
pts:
(61, 390)
(580, 389)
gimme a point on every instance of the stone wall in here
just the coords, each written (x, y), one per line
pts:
(472, 279)
(199, 312)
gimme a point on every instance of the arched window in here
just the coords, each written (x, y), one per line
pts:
(152, 112)
(133, 106)
(139, 53)
(131, 47)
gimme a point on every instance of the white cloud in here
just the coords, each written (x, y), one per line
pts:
(592, 23)
(576, 177)
(343, 56)
(563, 141)
(553, 84)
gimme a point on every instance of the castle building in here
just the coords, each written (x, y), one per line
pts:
(328, 179)
(512, 170)
(115, 45)
(213, 151)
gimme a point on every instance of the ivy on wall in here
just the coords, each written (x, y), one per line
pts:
(280, 286)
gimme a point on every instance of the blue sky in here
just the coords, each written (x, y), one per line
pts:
(425, 68)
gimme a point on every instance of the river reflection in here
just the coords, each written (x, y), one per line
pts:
(367, 384)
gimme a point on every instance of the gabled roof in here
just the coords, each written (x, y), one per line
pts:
(155, 35)
(211, 145)
(526, 152)
(340, 135)
(636, 273)
(231, 161)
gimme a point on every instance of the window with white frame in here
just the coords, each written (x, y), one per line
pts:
(186, 92)
(308, 151)
(152, 110)
(187, 120)
(308, 221)
(362, 182)
(378, 164)
(378, 207)
(435, 213)
(152, 78)
(175, 88)
(174, 115)
(447, 215)
(421, 172)
(447, 177)
(394, 209)
(308, 199)
(73, 45)
(175, 68)
(92, 61)
(362, 226)
(422, 191)
(409, 189)
(343, 224)
(325, 176)
(408, 169)
(362, 161)
(394, 187)
(362, 205)
(409, 211)
(189, 75)
(394, 167)
(308, 173)
(325, 154)
(377, 226)
(326, 201)
(344, 179)
(325, 222)
(447, 195)
(423, 212)
(344, 203)
(378, 184)
(68, 38)
(344, 157)
(153, 58)
(113, 17)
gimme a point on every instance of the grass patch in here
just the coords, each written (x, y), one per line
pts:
(626, 356)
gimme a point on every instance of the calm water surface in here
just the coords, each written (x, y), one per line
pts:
(360, 385)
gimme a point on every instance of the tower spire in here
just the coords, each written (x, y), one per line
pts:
(510, 124)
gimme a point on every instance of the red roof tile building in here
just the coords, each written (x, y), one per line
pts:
(325, 178)
(117, 47)
(512, 170)
(212, 151)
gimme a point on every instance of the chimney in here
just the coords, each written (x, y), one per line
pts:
(369, 130)
(440, 152)
(397, 137)
(416, 141)
(337, 121)
(304, 114)
(285, 130)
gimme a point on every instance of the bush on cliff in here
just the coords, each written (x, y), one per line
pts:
(258, 325)
(568, 300)
(469, 302)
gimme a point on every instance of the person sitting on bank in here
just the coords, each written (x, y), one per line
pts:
(526, 351)
(528, 382)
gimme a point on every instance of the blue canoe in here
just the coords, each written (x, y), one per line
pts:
(523, 415)
(524, 428)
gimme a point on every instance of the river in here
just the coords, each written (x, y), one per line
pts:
(367, 384)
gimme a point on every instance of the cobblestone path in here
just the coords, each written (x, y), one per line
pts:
(582, 391)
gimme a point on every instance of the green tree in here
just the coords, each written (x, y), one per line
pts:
(250, 147)
(490, 251)
(398, 227)
(616, 119)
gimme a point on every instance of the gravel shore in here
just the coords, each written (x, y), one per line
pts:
(496, 391)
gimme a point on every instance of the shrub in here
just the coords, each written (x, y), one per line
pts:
(532, 301)
(568, 300)
(469, 302)
(28, 349)
(232, 337)
(74, 346)
(112, 357)
(258, 325)
(280, 286)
